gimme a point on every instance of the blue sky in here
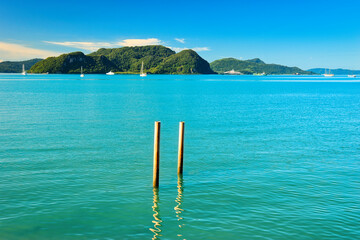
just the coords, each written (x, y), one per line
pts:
(295, 33)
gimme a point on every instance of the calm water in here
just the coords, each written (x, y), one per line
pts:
(265, 157)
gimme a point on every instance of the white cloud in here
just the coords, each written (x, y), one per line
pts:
(139, 42)
(196, 49)
(182, 40)
(90, 46)
(11, 51)
(201, 49)
(93, 46)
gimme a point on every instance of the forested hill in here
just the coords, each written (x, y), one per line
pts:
(253, 66)
(16, 67)
(157, 60)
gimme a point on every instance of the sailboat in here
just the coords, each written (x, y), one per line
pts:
(110, 73)
(82, 75)
(142, 74)
(328, 74)
(23, 70)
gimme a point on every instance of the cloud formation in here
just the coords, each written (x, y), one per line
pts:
(12, 51)
(139, 42)
(93, 46)
(196, 49)
(182, 40)
(90, 46)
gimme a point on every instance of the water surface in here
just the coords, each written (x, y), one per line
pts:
(273, 157)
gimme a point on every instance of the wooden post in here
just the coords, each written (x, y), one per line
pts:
(181, 148)
(156, 155)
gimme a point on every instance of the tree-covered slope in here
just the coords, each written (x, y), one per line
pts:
(184, 62)
(253, 66)
(129, 59)
(16, 67)
(72, 62)
(157, 59)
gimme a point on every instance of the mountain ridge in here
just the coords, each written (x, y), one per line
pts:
(157, 60)
(253, 66)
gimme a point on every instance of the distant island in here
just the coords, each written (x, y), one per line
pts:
(253, 66)
(338, 71)
(16, 66)
(157, 60)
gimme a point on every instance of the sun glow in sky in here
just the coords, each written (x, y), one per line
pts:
(303, 33)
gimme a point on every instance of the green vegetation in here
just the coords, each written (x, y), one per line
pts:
(16, 67)
(157, 60)
(253, 66)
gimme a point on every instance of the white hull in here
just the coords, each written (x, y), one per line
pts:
(110, 73)
(82, 75)
(142, 73)
(328, 75)
(23, 73)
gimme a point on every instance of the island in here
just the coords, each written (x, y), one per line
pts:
(157, 59)
(254, 67)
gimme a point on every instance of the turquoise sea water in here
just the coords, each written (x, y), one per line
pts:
(273, 157)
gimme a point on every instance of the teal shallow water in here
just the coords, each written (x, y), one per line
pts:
(265, 157)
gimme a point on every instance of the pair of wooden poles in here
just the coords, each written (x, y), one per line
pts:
(157, 152)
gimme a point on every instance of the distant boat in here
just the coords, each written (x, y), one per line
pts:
(110, 73)
(260, 74)
(142, 74)
(328, 74)
(23, 70)
(233, 72)
(352, 76)
(82, 75)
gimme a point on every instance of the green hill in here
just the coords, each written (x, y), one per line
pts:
(72, 62)
(253, 66)
(16, 67)
(157, 60)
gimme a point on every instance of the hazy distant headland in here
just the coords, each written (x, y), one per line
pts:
(16, 66)
(157, 60)
(338, 71)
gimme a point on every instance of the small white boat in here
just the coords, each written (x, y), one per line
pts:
(23, 70)
(82, 75)
(352, 76)
(142, 73)
(328, 74)
(110, 73)
(233, 72)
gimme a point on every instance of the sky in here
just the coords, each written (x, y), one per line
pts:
(301, 33)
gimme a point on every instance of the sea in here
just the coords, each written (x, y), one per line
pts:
(265, 157)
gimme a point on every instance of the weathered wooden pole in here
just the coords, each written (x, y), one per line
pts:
(181, 148)
(156, 155)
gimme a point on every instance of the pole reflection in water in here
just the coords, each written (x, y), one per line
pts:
(157, 220)
(177, 208)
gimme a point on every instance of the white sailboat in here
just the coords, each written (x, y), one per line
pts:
(328, 74)
(23, 70)
(82, 75)
(142, 74)
(110, 73)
